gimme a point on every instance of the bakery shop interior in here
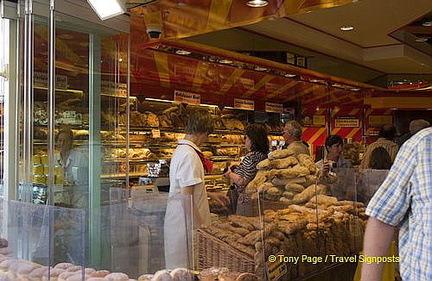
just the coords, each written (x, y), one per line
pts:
(105, 176)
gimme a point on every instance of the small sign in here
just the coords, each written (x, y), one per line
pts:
(155, 133)
(277, 267)
(273, 107)
(114, 89)
(380, 120)
(187, 97)
(319, 120)
(347, 122)
(246, 82)
(41, 80)
(244, 104)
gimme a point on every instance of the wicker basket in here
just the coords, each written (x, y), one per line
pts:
(215, 252)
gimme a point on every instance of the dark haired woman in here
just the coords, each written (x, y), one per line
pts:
(380, 159)
(257, 145)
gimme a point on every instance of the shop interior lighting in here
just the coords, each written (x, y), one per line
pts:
(260, 68)
(106, 9)
(225, 61)
(289, 75)
(182, 52)
(257, 3)
(160, 100)
(347, 28)
(427, 24)
(421, 39)
(208, 105)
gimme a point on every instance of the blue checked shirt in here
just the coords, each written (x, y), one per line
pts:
(405, 200)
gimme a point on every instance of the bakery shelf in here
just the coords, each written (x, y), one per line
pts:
(122, 175)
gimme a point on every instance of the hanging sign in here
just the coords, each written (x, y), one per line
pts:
(244, 104)
(380, 120)
(246, 82)
(273, 107)
(347, 121)
(187, 97)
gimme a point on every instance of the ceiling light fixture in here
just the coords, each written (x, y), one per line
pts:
(289, 75)
(106, 9)
(427, 24)
(347, 28)
(257, 3)
(259, 68)
(225, 61)
(182, 52)
(421, 39)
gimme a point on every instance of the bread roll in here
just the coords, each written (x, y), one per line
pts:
(181, 274)
(63, 265)
(65, 275)
(145, 277)
(96, 279)
(117, 276)
(52, 274)
(247, 277)
(100, 273)
(162, 275)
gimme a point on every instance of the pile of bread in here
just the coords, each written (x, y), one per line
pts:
(20, 270)
(287, 177)
(322, 226)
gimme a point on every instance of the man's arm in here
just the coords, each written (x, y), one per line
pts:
(377, 239)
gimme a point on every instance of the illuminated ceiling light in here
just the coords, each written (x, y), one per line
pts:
(257, 3)
(259, 68)
(161, 100)
(120, 59)
(421, 39)
(355, 89)
(225, 61)
(347, 28)
(181, 3)
(182, 52)
(289, 75)
(427, 24)
(106, 9)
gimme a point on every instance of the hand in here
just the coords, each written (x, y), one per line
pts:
(227, 173)
(220, 198)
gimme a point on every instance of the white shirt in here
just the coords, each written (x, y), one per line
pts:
(186, 170)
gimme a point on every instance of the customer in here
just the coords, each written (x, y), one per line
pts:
(292, 134)
(257, 145)
(333, 169)
(187, 178)
(403, 201)
(414, 126)
(380, 159)
(385, 139)
(333, 159)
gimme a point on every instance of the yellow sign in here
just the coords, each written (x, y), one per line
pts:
(319, 120)
(347, 122)
(380, 120)
(273, 107)
(187, 97)
(276, 267)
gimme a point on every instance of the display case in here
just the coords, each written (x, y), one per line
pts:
(298, 224)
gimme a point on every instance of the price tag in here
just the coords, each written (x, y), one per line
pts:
(155, 133)
(276, 268)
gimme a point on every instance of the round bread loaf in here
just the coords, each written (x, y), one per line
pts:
(145, 277)
(96, 279)
(100, 273)
(181, 274)
(65, 275)
(63, 265)
(117, 276)
(52, 274)
(247, 277)
(162, 275)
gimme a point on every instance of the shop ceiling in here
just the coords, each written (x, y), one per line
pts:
(384, 39)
